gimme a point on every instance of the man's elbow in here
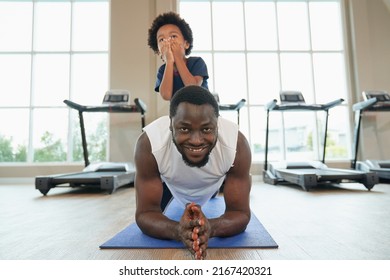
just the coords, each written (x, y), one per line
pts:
(246, 220)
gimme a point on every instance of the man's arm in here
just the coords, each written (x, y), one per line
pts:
(149, 189)
(237, 213)
(236, 193)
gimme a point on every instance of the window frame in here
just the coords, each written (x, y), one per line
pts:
(71, 53)
(247, 124)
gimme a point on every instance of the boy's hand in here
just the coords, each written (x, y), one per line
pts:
(166, 51)
(178, 50)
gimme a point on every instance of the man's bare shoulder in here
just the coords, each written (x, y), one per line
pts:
(243, 158)
(242, 143)
(143, 144)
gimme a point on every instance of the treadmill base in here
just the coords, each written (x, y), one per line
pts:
(311, 175)
(108, 181)
(380, 167)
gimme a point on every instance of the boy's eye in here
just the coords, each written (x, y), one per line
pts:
(183, 129)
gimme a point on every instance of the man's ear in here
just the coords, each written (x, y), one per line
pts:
(186, 45)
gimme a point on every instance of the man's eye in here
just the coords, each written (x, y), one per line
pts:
(207, 130)
(183, 130)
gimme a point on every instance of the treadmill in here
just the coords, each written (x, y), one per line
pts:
(308, 174)
(107, 175)
(374, 101)
(232, 107)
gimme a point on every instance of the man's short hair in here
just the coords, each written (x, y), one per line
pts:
(196, 95)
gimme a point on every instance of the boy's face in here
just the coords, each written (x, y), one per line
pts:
(170, 33)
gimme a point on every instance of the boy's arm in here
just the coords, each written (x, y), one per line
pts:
(166, 86)
(188, 79)
(185, 74)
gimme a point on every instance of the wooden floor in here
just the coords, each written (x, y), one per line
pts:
(328, 223)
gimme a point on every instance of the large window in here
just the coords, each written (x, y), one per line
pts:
(255, 49)
(51, 51)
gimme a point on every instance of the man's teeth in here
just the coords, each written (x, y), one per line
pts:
(195, 150)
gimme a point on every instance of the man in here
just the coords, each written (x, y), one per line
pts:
(188, 156)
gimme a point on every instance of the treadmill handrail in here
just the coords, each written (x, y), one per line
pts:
(104, 108)
(332, 104)
(142, 109)
(138, 107)
(364, 104)
(272, 105)
(141, 105)
(231, 107)
(371, 104)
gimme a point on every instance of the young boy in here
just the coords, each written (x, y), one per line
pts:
(170, 36)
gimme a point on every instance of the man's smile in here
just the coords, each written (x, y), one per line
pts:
(196, 149)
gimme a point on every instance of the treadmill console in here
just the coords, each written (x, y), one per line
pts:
(381, 96)
(117, 96)
(288, 97)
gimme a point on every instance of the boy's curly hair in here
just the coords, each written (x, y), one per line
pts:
(169, 18)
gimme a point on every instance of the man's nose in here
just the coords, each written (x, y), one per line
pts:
(196, 137)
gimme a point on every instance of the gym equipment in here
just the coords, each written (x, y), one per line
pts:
(308, 174)
(107, 175)
(230, 107)
(117, 96)
(374, 101)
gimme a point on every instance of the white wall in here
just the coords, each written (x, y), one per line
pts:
(133, 67)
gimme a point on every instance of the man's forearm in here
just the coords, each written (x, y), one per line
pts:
(230, 223)
(158, 225)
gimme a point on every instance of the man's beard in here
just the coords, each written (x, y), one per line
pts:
(199, 164)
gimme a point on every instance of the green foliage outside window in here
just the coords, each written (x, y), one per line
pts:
(7, 154)
(53, 149)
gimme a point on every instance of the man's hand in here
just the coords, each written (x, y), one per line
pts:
(201, 232)
(194, 230)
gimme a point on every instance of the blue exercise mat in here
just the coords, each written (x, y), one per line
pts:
(255, 235)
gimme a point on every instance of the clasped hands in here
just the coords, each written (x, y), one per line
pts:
(194, 230)
(171, 50)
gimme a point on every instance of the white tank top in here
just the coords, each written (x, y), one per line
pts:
(192, 184)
